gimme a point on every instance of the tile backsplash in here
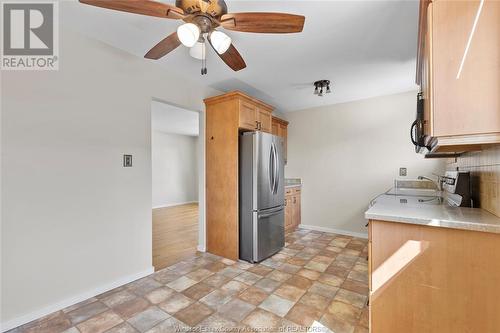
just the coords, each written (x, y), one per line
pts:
(484, 167)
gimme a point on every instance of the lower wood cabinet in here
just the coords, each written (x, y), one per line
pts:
(292, 208)
(433, 280)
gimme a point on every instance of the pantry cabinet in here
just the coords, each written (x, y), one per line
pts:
(226, 116)
(292, 208)
(458, 69)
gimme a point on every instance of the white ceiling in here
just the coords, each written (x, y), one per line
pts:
(366, 48)
(174, 120)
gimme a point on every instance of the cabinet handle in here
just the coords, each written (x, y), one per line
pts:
(286, 201)
(260, 125)
(256, 125)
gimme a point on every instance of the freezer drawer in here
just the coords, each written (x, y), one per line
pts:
(262, 234)
(270, 233)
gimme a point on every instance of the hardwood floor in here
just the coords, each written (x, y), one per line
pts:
(175, 234)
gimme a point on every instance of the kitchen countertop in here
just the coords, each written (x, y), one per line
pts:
(418, 208)
(293, 182)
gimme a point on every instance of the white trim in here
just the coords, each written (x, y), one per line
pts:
(201, 248)
(334, 231)
(175, 204)
(16, 322)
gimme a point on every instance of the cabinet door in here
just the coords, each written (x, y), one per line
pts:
(288, 214)
(264, 119)
(284, 134)
(433, 280)
(275, 127)
(248, 116)
(466, 67)
(294, 210)
(298, 213)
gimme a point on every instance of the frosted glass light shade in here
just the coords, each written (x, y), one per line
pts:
(188, 34)
(220, 41)
(198, 51)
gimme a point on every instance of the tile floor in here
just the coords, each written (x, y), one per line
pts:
(318, 279)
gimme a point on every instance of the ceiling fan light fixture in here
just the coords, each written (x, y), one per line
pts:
(198, 51)
(220, 41)
(188, 34)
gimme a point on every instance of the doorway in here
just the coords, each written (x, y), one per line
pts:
(175, 157)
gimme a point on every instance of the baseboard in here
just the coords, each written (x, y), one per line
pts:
(334, 231)
(16, 322)
(201, 248)
(175, 204)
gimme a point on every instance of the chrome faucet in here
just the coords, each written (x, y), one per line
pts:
(438, 183)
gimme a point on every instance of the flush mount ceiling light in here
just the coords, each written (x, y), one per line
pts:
(203, 18)
(322, 86)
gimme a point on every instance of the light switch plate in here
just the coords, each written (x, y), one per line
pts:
(127, 161)
(403, 172)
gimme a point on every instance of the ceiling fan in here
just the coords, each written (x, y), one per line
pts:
(201, 18)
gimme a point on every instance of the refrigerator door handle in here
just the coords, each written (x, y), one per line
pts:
(271, 213)
(271, 169)
(276, 169)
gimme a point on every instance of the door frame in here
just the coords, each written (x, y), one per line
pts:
(201, 172)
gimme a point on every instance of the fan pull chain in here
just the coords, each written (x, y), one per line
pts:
(203, 61)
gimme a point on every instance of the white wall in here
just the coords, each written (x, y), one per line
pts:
(74, 221)
(348, 153)
(175, 169)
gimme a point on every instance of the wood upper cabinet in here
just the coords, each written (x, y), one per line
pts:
(254, 115)
(459, 73)
(264, 120)
(248, 116)
(280, 128)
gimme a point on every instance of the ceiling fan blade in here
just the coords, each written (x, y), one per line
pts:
(231, 57)
(263, 22)
(165, 46)
(143, 7)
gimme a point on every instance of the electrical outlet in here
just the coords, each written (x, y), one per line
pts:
(127, 161)
(403, 172)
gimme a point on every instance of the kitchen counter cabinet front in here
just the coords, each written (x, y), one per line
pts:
(292, 208)
(432, 279)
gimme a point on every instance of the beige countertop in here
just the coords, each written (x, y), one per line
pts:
(429, 211)
(293, 182)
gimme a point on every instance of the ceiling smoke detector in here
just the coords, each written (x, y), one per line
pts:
(322, 86)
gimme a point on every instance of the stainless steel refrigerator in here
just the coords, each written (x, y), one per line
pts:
(262, 195)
